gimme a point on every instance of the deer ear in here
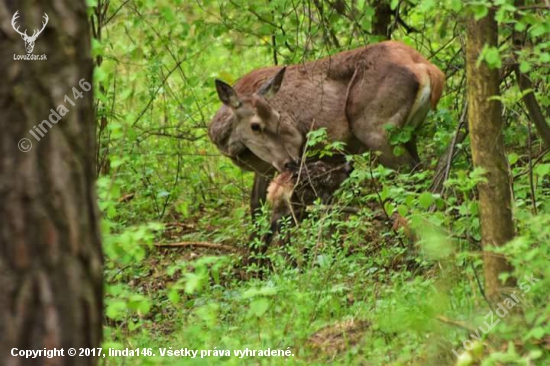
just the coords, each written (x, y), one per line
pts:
(227, 94)
(270, 88)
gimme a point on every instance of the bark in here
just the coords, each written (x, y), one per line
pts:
(487, 144)
(382, 21)
(50, 247)
(533, 108)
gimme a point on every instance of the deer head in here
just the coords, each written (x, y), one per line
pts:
(29, 40)
(259, 126)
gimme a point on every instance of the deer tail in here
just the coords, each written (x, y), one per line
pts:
(437, 82)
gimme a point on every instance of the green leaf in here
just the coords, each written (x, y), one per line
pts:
(398, 150)
(402, 210)
(537, 30)
(425, 200)
(426, 6)
(520, 26)
(456, 5)
(480, 11)
(534, 354)
(536, 333)
(264, 291)
(174, 296)
(192, 283)
(115, 309)
(433, 241)
(513, 158)
(258, 307)
(167, 13)
(389, 207)
(492, 57)
(542, 169)
(524, 66)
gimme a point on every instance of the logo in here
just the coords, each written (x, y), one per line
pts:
(29, 40)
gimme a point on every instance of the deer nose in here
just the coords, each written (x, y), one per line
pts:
(292, 165)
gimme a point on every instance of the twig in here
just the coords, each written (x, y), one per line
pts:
(443, 170)
(535, 162)
(179, 224)
(533, 7)
(481, 289)
(381, 202)
(199, 244)
(344, 209)
(455, 137)
(116, 11)
(531, 185)
(155, 94)
(456, 323)
(407, 27)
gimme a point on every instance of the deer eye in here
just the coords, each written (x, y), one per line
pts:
(255, 127)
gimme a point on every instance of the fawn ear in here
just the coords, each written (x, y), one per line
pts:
(271, 87)
(227, 94)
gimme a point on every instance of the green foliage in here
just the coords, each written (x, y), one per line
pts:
(318, 144)
(385, 285)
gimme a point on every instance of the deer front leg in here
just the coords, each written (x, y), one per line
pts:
(257, 199)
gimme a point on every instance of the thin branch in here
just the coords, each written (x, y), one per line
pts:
(526, 86)
(533, 107)
(116, 11)
(381, 203)
(156, 92)
(445, 161)
(179, 136)
(456, 323)
(530, 156)
(530, 7)
(407, 27)
(535, 162)
(199, 244)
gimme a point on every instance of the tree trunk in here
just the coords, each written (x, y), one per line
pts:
(382, 18)
(487, 144)
(533, 108)
(50, 247)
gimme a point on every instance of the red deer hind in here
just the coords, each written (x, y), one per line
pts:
(354, 94)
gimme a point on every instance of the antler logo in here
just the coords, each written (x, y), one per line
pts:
(29, 41)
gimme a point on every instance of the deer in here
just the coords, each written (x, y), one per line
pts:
(291, 192)
(29, 41)
(265, 117)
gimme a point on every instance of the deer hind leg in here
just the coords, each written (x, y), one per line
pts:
(418, 114)
(380, 97)
(370, 130)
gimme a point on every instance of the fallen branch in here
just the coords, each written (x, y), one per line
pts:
(199, 244)
(455, 323)
(344, 209)
(179, 224)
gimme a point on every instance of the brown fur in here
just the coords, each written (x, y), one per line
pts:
(352, 94)
(293, 190)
